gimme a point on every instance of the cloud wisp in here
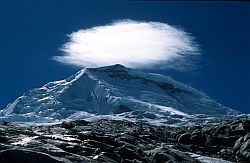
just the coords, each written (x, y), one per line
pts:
(130, 43)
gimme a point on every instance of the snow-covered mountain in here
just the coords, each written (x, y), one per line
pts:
(115, 92)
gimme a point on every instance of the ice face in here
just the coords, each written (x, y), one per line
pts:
(112, 90)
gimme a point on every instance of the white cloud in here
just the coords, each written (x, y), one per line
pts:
(130, 43)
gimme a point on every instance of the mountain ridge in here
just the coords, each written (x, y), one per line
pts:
(111, 90)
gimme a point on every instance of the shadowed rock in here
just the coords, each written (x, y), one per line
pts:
(26, 156)
(123, 141)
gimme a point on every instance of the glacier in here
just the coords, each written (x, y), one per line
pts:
(115, 92)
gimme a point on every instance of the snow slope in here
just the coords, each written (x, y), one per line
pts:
(114, 91)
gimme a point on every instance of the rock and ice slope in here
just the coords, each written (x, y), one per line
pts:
(114, 91)
(116, 141)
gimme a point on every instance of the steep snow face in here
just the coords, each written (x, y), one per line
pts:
(112, 90)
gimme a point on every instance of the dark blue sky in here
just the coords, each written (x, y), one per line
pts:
(32, 31)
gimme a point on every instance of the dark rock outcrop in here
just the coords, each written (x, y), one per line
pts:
(242, 147)
(27, 156)
(123, 141)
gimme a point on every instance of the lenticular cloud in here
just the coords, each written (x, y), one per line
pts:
(130, 43)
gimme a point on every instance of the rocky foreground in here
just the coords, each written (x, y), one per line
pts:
(123, 141)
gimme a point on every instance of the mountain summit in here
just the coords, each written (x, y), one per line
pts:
(114, 91)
